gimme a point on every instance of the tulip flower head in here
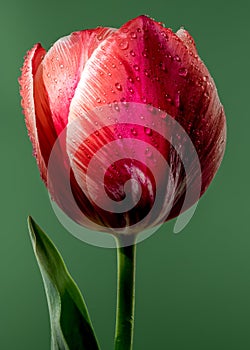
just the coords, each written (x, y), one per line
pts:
(126, 124)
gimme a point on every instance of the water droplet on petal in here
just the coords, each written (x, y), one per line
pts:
(148, 153)
(183, 72)
(116, 107)
(163, 67)
(61, 66)
(131, 90)
(177, 58)
(136, 67)
(132, 53)
(118, 86)
(168, 98)
(133, 35)
(123, 44)
(98, 100)
(164, 35)
(148, 131)
(133, 131)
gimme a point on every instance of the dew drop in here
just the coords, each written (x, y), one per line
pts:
(99, 37)
(168, 98)
(148, 153)
(136, 67)
(133, 35)
(145, 53)
(123, 45)
(131, 90)
(116, 106)
(131, 80)
(177, 58)
(132, 53)
(164, 35)
(139, 30)
(163, 67)
(61, 66)
(118, 86)
(133, 131)
(55, 80)
(183, 72)
(98, 100)
(113, 65)
(48, 75)
(168, 55)
(148, 131)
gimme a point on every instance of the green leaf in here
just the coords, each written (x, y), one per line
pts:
(71, 328)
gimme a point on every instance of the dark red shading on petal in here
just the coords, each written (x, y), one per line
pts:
(45, 128)
(31, 64)
(117, 173)
(62, 68)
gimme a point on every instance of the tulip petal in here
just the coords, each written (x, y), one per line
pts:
(32, 62)
(187, 40)
(62, 68)
(141, 62)
(145, 63)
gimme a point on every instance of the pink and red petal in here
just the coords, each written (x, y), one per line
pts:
(31, 64)
(62, 68)
(145, 63)
(187, 40)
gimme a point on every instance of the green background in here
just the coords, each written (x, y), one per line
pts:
(193, 289)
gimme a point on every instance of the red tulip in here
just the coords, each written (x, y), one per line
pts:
(92, 75)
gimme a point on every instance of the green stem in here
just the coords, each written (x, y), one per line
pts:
(125, 296)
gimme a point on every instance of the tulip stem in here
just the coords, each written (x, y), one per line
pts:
(125, 295)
